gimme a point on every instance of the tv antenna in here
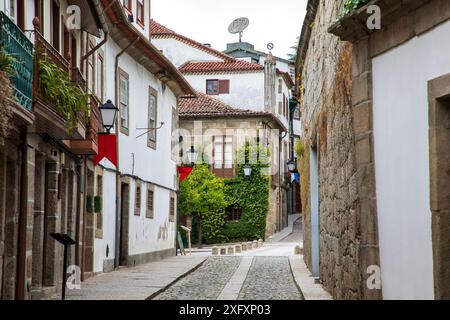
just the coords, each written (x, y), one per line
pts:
(238, 26)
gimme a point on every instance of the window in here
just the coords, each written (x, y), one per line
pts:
(152, 114)
(91, 70)
(212, 87)
(124, 87)
(223, 156)
(280, 107)
(150, 199)
(172, 209)
(100, 76)
(140, 12)
(216, 87)
(56, 22)
(137, 204)
(127, 4)
(280, 86)
(11, 9)
(234, 214)
(297, 112)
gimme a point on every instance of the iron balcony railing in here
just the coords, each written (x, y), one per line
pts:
(16, 43)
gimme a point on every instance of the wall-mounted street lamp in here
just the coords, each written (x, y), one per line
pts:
(192, 155)
(292, 165)
(247, 170)
(108, 112)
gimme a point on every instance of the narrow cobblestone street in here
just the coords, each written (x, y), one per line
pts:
(261, 274)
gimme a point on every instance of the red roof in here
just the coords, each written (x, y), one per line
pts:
(215, 66)
(157, 30)
(204, 105)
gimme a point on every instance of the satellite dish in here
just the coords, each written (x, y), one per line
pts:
(238, 26)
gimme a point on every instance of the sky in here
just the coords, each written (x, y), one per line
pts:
(206, 21)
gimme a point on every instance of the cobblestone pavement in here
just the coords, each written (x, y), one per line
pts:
(270, 278)
(206, 283)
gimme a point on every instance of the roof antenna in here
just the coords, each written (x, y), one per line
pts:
(238, 26)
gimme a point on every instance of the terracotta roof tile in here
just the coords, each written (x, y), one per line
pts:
(204, 105)
(213, 66)
(157, 30)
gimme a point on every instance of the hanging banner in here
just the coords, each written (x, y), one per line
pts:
(107, 148)
(184, 172)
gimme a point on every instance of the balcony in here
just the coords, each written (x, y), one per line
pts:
(89, 145)
(48, 119)
(15, 42)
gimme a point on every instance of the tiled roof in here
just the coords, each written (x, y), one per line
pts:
(157, 30)
(213, 66)
(204, 105)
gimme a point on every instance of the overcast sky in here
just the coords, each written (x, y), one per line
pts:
(206, 21)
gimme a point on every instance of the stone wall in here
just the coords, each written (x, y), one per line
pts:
(327, 118)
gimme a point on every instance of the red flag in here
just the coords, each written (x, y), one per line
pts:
(107, 148)
(184, 172)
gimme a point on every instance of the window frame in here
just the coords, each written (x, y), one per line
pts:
(172, 208)
(101, 80)
(137, 199)
(150, 205)
(141, 10)
(124, 130)
(218, 89)
(128, 6)
(151, 143)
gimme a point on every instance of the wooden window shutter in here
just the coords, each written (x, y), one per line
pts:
(224, 86)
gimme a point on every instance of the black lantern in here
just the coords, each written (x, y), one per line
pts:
(292, 165)
(109, 113)
(192, 155)
(247, 170)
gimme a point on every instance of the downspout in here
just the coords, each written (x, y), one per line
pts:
(280, 205)
(118, 185)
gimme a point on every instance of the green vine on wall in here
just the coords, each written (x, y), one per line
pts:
(204, 195)
(71, 101)
(7, 96)
(351, 5)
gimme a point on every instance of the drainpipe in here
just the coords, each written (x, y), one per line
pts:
(118, 186)
(98, 46)
(281, 137)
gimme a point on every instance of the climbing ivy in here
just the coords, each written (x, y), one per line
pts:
(251, 194)
(206, 197)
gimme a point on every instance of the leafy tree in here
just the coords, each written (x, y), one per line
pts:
(202, 197)
(292, 57)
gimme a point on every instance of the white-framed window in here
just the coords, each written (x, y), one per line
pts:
(124, 87)
(223, 152)
(152, 117)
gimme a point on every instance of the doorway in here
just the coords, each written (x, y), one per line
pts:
(315, 227)
(124, 222)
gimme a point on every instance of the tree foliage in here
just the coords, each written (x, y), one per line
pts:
(202, 197)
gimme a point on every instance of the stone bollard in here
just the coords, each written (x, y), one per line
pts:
(215, 251)
(249, 245)
(230, 250)
(223, 251)
(260, 243)
(298, 250)
(238, 248)
(270, 239)
(255, 244)
(244, 246)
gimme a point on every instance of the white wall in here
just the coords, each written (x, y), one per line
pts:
(136, 159)
(109, 221)
(246, 89)
(179, 52)
(150, 235)
(402, 162)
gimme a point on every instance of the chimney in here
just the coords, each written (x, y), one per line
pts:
(270, 78)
